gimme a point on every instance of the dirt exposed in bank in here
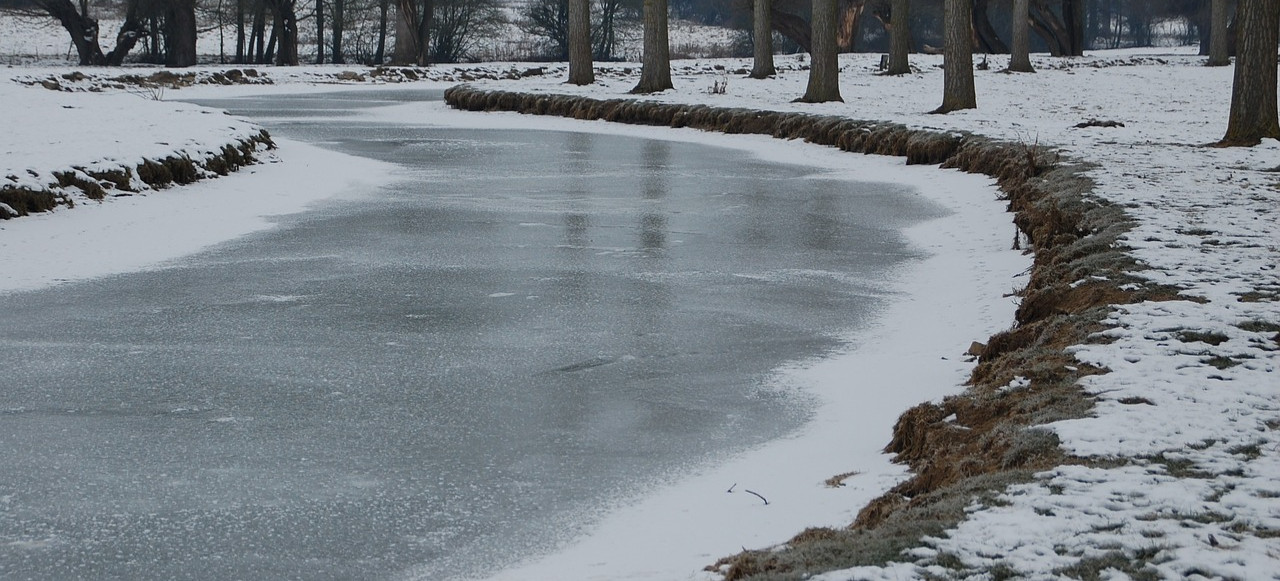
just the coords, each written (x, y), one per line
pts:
(97, 184)
(975, 444)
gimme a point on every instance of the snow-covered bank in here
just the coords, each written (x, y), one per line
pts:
(1182, 444)
(129, 234)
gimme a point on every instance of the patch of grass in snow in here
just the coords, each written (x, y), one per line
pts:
(1259, 327)
(1137, 566)
(1208, 337)
(1223, 362)
(1179, 467)
(1261, 295)
(1249, 451)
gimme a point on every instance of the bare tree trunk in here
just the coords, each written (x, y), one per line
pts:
(793, 27)
(581, 71)
(240, 44)
(957, 66)
(82, 29)
(849, 16)
(655, 65)
(319, 32)
(404, 50)
(285, 32)
(380, 55)
(899, 37)
(1253, 93)
(1020, 59)
(1218, 49)
(988, 41)
(762, 40)
(180, 33)
(1065, 36)
(259, 46)
(1073, 18)
(824, 62)
(339, 28)
(412, 32)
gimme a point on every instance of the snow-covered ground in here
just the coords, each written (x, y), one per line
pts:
(1188, 418)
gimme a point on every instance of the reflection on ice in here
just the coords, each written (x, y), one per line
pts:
(451, 373)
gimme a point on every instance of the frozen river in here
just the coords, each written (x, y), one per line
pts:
(435, 378)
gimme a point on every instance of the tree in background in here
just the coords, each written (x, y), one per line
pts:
(284, 31)
(824, 64)
(1020, 55)
(899, 25)
(655, 64)
(1219, 48)
(179, 32)
(581, 70)
(413, 31)
(380, 53)
(984, 33)
(1061, 29)
(848, 22)
(339, 28)
(84, 31)
(458, 24)
(319, 17)
(957, 65)
(549, 20)
(1253, 93)
(762, 40)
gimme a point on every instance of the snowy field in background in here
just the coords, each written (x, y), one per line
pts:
(1205, 221)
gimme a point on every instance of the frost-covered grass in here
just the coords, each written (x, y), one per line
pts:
(1183, 446)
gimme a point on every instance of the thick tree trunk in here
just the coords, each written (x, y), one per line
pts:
(581, 68)
(1020, 58)
(824, 63)
(762, 40)
(180, 33)
(1253, 94)
(413, 32)
(988, 41)
(899, 37)
(339, 28)
(957, 68)
(655, 65)
(1218, 48)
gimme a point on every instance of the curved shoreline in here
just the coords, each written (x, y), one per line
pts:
(992, 442)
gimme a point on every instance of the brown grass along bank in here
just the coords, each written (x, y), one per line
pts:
(971, 446)
(155, 174)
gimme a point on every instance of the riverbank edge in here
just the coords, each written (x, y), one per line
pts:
(974, 444)
(96, 183)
